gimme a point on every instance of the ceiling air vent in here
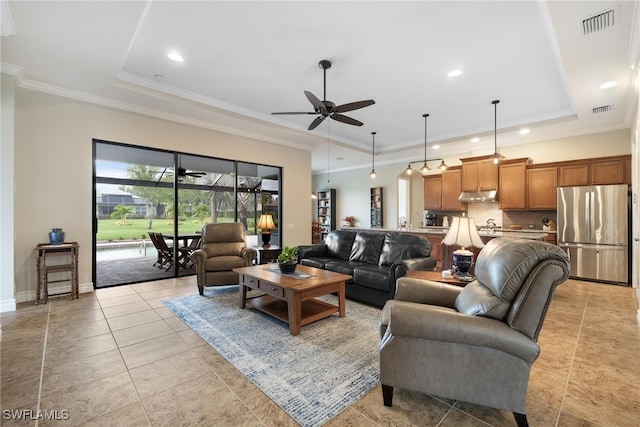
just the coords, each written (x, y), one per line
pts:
(600, 21)
(602, 109)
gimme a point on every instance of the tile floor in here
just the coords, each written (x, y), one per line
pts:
(118, 357)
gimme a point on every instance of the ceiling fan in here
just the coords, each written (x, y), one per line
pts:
(326, 108)
(182, 173)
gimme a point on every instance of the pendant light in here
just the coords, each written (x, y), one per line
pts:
(372, 174)
(496, 157)
(424, 169)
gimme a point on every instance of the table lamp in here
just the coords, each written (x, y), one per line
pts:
(265, 223)
(463, 232)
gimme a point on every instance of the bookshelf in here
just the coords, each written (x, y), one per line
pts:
(326, 211)
(376, 207)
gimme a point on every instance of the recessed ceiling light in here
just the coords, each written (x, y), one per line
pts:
(454, 73)
(174, 56)
(435, 147)
(608, 85)
(475, 139)
(524, 131)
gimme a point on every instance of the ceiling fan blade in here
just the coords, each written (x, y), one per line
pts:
(353, 106)
(295, 112)
(196, 174)
(319, 105)
(346, 119)
(314, 124)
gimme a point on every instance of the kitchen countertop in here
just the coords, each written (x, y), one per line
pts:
(498, 232)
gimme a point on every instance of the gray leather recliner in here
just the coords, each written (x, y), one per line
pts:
(475, 344)
(222, 248)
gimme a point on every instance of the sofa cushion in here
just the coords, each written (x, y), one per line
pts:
(399, 246)
(366, 248)
(339, 244)
(372, 276)
(344, 267)
(316, 262)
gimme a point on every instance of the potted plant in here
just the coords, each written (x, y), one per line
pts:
(287, 260)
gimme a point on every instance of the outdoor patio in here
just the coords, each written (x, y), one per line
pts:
(132, 270)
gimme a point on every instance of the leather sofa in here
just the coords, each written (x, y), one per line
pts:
(374, 260)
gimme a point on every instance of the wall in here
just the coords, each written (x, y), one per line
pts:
(353, 185)
(7, 300)
(53, 171)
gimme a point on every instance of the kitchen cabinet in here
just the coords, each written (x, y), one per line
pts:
(451, 189)
(376, 207)
(479, 174)
(542, 183)
(433, 192)
(609, 170)
(512, 191)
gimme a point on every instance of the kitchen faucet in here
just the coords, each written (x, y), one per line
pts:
(490, 226)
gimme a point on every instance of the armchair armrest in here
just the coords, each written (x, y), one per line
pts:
(199, 260)
(249, 255)
(399, 269)
(426, 292)
(311, 251)
(446, 325)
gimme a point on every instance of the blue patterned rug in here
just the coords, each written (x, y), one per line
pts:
(313, 376)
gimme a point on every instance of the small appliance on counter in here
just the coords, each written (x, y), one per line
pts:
(430, 219)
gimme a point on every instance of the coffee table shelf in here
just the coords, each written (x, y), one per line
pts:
(311, 310)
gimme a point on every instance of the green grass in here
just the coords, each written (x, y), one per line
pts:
(136, 229)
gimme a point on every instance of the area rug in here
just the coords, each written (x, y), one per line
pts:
(313, 376)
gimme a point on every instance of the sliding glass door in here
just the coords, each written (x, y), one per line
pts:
(151, 202)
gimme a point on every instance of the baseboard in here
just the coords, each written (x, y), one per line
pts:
(24, 296)
(7, 305)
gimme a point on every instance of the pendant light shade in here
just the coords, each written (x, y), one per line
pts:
(372, 174)
(496, 157)
(424, 169)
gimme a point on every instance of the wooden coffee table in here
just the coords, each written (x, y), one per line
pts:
(289, 298)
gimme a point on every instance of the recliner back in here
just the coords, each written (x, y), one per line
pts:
(515, 282)
(223, 239)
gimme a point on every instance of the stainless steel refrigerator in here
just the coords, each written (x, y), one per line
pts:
(593, 227)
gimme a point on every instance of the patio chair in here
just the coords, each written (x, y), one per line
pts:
(186, 251)
(165, 252)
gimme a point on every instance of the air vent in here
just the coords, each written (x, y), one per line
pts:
(602, 109)
(600, 21)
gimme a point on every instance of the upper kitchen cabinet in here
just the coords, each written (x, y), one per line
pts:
(433, 192)
(451, 189)
(479, 174)
(542, 183)
(513, 184)
(607, 170)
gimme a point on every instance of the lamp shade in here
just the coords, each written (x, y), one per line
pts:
(265, 223)
(463, 232)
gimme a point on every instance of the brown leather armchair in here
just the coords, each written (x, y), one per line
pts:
(475, 344)
(222, 249)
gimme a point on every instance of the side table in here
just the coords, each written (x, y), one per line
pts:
(435, 276)
(43, 253)
(267, 254)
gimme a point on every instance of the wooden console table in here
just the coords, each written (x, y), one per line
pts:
(43, 253)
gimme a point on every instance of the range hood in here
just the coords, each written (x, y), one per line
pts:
(478, 196)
